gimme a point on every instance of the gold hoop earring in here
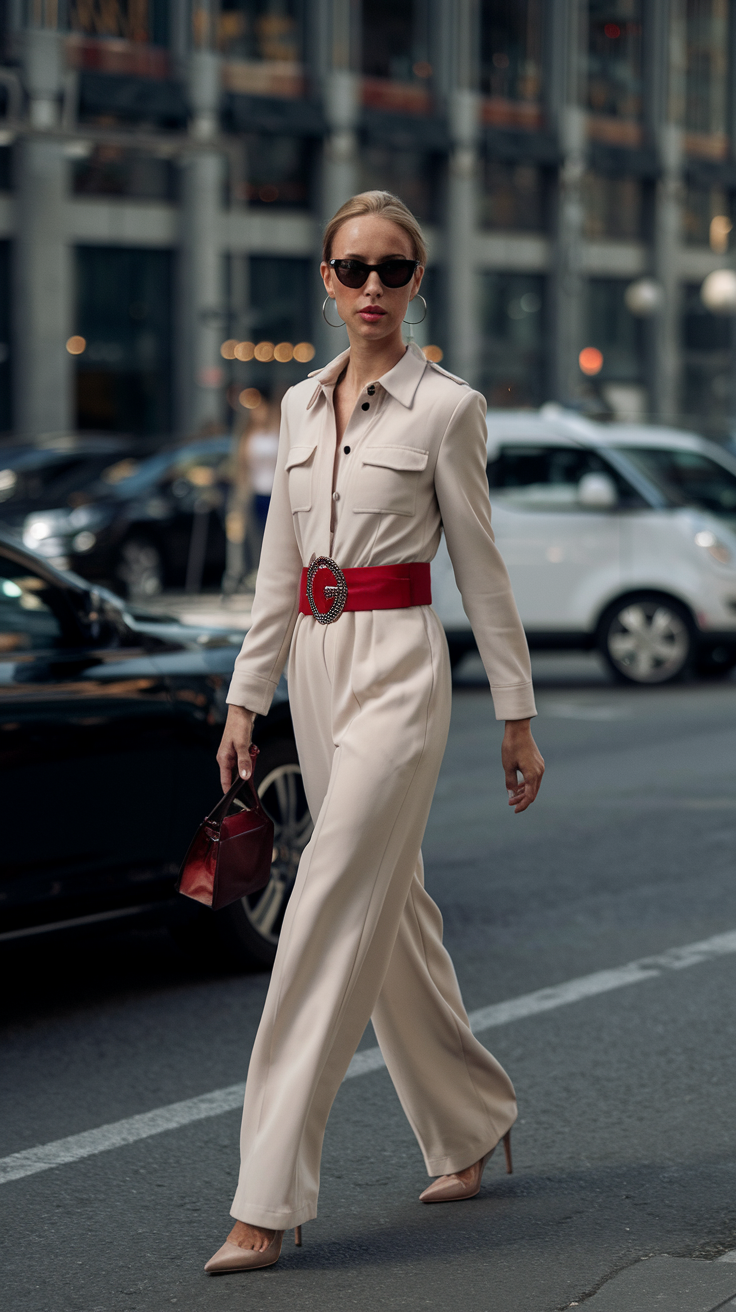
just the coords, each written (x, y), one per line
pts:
(325, 303)
(413, 322)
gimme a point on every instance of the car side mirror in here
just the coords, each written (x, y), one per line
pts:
(597, 492)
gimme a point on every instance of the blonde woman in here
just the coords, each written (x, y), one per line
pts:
(379, 452)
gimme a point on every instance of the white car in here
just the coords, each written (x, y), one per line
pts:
(616, 536)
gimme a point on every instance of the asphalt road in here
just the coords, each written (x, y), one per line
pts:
(626, 1144)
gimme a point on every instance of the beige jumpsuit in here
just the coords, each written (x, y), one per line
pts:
(370, 698)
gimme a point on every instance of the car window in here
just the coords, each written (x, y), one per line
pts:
(128, 478)
(547, 477)
(29, 619)
(686, 478)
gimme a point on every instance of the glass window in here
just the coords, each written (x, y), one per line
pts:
(512, 196)
(124, 316)
(512, 361)
(706, 218)
(706, 71)
(28, 622)
(547, 477)
(259, 29)
(687, 478)
(614, 57)
(707, 374)
(511, 48)
(282, 292)
(410, 174)
(612, 207)
(115, 171)
(278, 170)
(6, 168)
(616, 332)
(133, 20)
(395, 40)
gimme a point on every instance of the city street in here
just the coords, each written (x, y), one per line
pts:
(626, 1143)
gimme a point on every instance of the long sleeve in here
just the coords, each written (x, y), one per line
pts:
(462, 492)
(265, 650)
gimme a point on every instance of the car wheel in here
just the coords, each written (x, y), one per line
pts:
(647, 639)
(140, 568)
(250, 927)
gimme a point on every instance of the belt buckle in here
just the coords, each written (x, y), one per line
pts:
(339, 590)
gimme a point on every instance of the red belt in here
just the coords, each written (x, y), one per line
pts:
(326, 590)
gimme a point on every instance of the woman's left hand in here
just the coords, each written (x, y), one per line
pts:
(520, 753)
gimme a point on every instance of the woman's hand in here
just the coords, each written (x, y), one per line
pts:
(519, 752)
(234, 750)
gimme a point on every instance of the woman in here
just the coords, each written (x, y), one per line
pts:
(378, 452)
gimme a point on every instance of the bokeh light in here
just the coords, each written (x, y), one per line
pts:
(76, 345)
(264, 352)
(227, 350)
(590, 360)
(250, 398)
(283, 352)
(304, 352)
(244, 351)
(433, 353)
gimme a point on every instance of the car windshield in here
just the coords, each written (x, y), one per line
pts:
(46, 479)
(686, 478)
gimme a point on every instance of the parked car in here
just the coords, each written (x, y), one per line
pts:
(620, 537)
(109, 723)
(139, 525)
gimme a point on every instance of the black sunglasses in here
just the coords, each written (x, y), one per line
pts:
(393, 273)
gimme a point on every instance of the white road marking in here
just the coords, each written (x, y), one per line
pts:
(176, 1114)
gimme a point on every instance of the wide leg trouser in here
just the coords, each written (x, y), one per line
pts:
(361, 937)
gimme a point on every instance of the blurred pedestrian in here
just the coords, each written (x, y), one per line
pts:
(379, 452)
(261, 450)
(253, 468)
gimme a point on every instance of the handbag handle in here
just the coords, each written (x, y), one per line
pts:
(218, 812)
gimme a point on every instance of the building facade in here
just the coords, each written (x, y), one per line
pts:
(166, 167)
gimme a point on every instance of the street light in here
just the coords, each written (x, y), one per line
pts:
(718, 291)
(644, 297)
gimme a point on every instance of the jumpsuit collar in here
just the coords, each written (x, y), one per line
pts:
(401, 382)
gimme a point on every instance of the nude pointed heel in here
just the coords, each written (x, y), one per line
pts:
(451, 1189)
(231, 1257)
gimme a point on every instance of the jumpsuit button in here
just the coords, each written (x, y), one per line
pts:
(335, 496)
(365, 406)
(371, 390)
(346, 449)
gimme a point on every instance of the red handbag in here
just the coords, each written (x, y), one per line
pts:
(231, 853)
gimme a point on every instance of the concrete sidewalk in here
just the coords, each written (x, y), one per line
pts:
(669, 1284)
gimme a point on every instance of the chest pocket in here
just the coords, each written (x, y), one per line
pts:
(389, 479)
(299, 466)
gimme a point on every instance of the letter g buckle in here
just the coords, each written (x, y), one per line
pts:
(338, 590)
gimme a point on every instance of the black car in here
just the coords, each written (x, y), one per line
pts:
(138, 524)
(109, 724)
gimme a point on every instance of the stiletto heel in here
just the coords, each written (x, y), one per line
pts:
(298, 1236)
(452, 1189)
(507, 1151)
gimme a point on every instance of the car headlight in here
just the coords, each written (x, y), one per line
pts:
(38, 529)
(713, 545)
